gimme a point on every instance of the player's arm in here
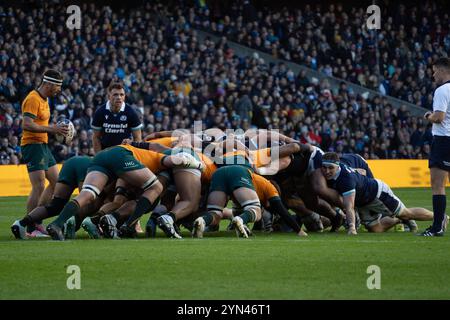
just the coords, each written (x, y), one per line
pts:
(146, 145)
(234, 143)
(96, 141)
(29, 125)
(157, 135)
(441, 101)
(361, 171)
(181, 161)
(319, 186)
(291, 148)
(435, 116)
(277, 207)
(137, 135)
(349, 209)
(30, 112)
(267, 135)
(136, 126)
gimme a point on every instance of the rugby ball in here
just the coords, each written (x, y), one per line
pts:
(66, 139)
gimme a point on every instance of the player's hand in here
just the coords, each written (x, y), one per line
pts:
(302, 233)
(190, 162)
(62, 129)
(427, 114)
(126, 141)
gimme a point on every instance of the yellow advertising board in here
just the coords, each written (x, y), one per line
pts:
(14, 181)
(402, 173)
(396, 173)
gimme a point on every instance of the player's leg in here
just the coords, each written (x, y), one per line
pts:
(398, 209)
(60, 198)
(37, 179)
(94, 183)
(35, 157)
(167, 201)
(114, 220)
(376, 216)
(152, 189)
(420, 214)
(122, 193)
(309, 218)
(216, 202)
(438, 180)
(319, 205)
(438, 164)
(188, 185)
(384, 224)
(251, 210)
(91, 223)
(52, 176)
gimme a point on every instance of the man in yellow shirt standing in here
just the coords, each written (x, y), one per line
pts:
(40, 162)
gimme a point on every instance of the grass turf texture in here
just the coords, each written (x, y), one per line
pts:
(221, 266)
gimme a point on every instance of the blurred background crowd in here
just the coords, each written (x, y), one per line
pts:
(173, 78)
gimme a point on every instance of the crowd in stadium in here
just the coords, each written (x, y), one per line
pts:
(174, 79)
(333, 40)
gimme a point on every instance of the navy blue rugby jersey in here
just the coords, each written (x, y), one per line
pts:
(350, 181)
(115, 126)
(355, 161)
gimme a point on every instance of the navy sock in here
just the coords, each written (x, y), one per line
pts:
(30, 228)
(248, 216)
(78, 222)
(70, 209)
(439, 204)
(142, 207)
(208, 218)
(172, 215)
(26, 221)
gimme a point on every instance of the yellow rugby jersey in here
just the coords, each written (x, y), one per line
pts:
(261, 157)
(148, 158)
(210, 167)
(167, 141)
(264, 188)
(37, 108)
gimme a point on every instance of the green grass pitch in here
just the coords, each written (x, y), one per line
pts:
(276, 266)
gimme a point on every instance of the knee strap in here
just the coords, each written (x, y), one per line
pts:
(217, 210)
(91, 189)
(252, 206)
(150, 183)
(122, 191)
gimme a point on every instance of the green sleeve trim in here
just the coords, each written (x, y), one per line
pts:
(27, 114)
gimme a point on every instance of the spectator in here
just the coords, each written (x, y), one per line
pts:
(177, 79)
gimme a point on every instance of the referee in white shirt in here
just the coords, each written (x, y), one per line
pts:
(439, 162)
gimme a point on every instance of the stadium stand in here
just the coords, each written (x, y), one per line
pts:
(174, 79)
(333, 40)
